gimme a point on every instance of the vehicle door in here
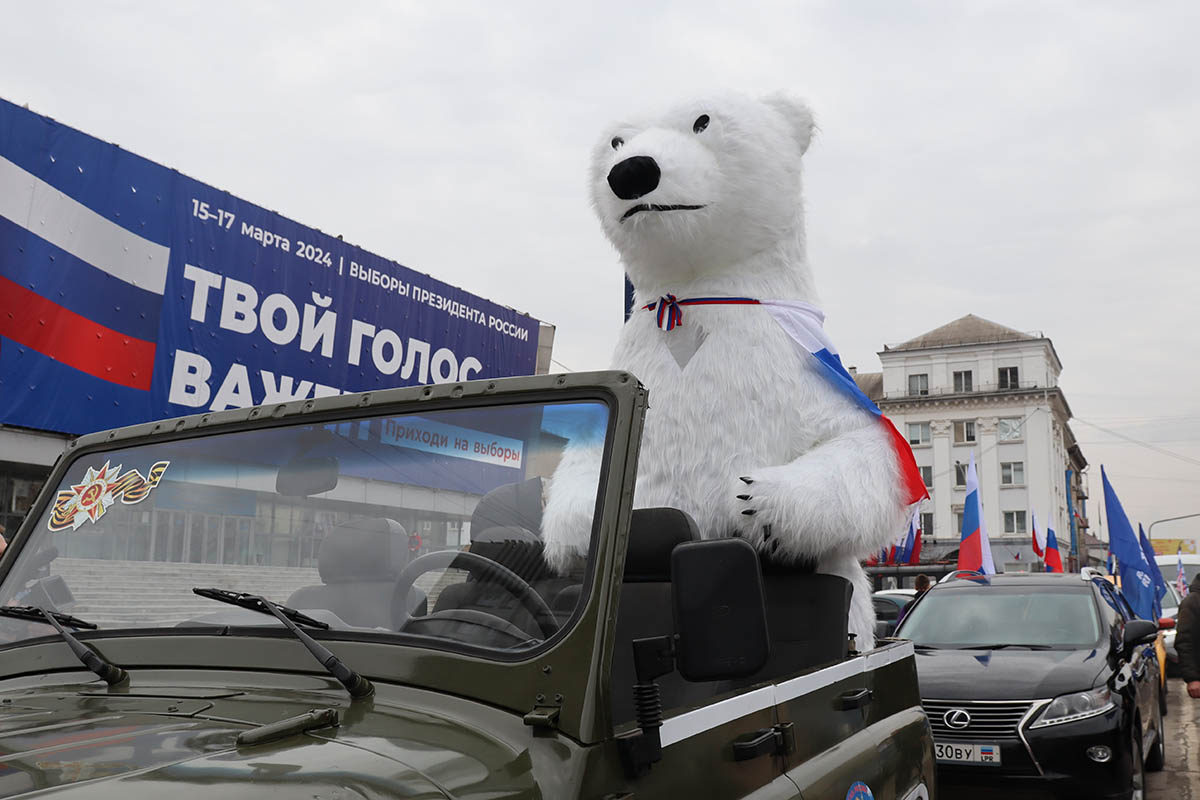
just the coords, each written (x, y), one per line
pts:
(1142, 662)
(887, 615)
(700, 760)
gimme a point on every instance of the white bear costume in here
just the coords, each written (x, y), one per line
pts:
(745, 433)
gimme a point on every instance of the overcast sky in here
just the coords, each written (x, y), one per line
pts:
(1032, 163)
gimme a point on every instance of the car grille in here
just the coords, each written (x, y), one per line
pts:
(995, 720)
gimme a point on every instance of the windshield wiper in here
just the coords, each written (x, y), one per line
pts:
(1008, 644)
(109, 672)
(358, 686)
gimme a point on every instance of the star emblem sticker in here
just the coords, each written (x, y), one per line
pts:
(94, 495)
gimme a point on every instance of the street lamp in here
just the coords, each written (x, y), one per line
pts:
(1150, 530)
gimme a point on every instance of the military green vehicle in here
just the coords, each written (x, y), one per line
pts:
(346, 598)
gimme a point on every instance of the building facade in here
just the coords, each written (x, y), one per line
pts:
(976, 388)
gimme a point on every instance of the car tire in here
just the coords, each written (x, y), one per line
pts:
(1156, 759)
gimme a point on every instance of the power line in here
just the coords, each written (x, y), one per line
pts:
(1147, 445)
(564, 366)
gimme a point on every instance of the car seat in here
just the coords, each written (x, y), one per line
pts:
(358, 562)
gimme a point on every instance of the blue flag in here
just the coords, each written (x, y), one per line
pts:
(1137, 581)
(1160, 585)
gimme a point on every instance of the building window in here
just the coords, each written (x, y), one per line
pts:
(927, 524)
(960, 475)
(1009, 429)
(918, 433)
(964, 431)
(1008, 378)
(958, 518)
(1012, 473)
(962, 381)
(918, 384)
(927, 476)
(1014, 522)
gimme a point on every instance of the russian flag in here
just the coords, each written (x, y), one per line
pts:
(915, 556)
(1039, 541)
(906, 549)
(80, 297)
(974, 551)
(1053, 558)
(1180, 576)
(804, 323)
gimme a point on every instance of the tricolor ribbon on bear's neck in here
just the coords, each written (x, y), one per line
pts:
(670, 313)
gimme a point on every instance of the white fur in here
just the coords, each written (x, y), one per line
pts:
(824, 477)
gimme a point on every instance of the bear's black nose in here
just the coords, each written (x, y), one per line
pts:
(634, 177)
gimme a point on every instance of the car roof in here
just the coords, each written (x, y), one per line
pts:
(1015, 579)
(901, 592)
(1187, 558)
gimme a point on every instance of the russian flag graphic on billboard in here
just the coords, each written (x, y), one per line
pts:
(131, 292)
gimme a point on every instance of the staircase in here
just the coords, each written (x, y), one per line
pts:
(122, 593)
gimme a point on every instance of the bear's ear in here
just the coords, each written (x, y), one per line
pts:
(797, 115)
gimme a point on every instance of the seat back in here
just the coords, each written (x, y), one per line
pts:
(358, 562)
(646, 609)
(808, 618)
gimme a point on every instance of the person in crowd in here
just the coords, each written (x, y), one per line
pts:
(1187, 639)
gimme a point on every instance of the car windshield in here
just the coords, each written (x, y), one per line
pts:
(1011, 616)
(429, 524)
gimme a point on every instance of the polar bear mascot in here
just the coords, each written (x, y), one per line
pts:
(754, 428)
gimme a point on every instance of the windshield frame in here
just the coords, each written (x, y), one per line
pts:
(570, 660)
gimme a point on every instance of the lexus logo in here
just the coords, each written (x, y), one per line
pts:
(956, 718)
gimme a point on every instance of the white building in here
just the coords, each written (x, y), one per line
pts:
(973, 386)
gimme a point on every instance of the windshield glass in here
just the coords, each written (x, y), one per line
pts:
(428, 524)
(999, 615)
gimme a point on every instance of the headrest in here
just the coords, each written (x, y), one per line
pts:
(515, 548)
(653, 534)
(515, 505)
(366, 549)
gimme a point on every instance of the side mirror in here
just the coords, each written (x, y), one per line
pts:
(1166, 623)
(1139, 631)
(720, 611)
(302, 477)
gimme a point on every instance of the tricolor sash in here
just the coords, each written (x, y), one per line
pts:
(804, 324)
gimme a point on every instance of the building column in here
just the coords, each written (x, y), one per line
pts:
(989, 481)
(943, 482)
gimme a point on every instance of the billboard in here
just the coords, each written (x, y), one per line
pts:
(130, 292)
(1169, 547)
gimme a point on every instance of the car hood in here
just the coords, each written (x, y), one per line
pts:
(92, 743)
(1007, 674)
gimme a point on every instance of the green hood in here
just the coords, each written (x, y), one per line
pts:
(93, 743)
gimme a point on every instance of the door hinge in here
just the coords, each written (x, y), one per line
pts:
(778, 740)
(544, 714)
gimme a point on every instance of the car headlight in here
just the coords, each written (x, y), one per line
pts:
(1075, 706)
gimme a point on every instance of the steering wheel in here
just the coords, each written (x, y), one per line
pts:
(481, 567)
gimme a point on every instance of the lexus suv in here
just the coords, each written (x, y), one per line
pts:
(1040, 684)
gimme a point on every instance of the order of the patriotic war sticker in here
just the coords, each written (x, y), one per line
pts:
(88, 500)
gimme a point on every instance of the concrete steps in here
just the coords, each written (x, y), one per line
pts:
(139, 593)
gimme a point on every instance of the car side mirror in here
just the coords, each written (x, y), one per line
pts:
(1139, 631)
(720, 610)
(1166, 623)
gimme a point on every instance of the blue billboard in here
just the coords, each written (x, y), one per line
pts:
(130, 292)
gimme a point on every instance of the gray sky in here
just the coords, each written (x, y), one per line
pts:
(1033, 163)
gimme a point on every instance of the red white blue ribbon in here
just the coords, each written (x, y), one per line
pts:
(670, 311)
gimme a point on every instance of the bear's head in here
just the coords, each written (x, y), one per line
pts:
(703, 187)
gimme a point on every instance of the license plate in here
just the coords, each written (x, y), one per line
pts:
(967, 753)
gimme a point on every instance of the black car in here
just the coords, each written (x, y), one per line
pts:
(1037, 685)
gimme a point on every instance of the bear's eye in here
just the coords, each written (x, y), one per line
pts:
(701, 123)
(616, 142)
